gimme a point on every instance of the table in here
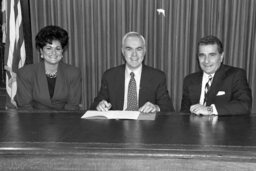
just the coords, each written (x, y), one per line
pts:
(60, 140)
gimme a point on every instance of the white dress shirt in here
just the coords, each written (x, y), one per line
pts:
(204, 82)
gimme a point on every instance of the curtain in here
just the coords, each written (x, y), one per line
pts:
(96, 28)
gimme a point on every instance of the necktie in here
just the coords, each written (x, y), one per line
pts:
(207, 88)
(132, 94)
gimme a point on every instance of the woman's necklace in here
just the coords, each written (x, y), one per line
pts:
(51, 74)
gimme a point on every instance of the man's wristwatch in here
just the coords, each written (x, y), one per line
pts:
(210, 109)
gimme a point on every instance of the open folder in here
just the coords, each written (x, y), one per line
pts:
(118, 114)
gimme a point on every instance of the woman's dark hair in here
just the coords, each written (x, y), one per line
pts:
(49, 33)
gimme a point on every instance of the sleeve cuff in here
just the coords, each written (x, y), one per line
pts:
(214, 112)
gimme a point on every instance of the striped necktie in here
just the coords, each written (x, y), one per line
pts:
(132, 103)
(207, 88)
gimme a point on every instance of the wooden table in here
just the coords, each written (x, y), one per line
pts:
(174, 141)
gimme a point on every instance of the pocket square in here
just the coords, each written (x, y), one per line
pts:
(220, 93)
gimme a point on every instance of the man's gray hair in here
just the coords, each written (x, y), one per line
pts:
(133, 34)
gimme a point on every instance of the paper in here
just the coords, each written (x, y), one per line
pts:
(147, 116)
(111, 114)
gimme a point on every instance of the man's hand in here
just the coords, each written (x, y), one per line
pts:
(199, 109)
(103, 106)
(149, 107)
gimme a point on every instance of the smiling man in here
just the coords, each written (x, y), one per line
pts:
(133, 86)
(217, 89)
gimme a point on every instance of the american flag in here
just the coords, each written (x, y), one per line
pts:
(15, 54)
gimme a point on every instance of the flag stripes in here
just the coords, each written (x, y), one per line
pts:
(15, 54)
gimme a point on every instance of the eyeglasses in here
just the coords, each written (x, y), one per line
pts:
(50, 50)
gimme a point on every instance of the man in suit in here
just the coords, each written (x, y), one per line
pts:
(217, 89)
(149, 84)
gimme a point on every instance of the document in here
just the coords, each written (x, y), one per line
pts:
(117, 114)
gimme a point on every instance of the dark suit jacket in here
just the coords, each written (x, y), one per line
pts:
(152, 88)
(236, 100)
(33, 93)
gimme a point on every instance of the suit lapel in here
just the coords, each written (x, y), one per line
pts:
(217, 81)
(120, 87)
(42, 83)
(143, 81)
(196, 89)
(60, 84)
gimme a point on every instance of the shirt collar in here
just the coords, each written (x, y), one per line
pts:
(206, 76)
(136, 71)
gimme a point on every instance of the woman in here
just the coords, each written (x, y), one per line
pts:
(50, 84)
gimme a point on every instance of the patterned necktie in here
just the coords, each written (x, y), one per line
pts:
(207, 88)
(132, 94)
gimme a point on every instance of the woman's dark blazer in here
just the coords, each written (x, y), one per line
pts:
(33, 93)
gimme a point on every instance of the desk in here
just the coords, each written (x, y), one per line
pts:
(63, 141)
